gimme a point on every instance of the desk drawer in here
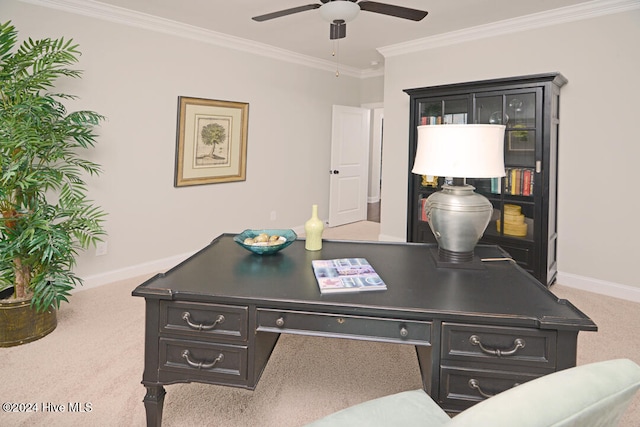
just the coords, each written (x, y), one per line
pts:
(204, 360)
(461, 388)
(506, 346)
(204, 320)
(330, 325)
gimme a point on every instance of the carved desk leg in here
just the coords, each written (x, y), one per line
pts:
(153, 401)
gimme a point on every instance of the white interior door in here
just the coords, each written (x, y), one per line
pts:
(349, 172)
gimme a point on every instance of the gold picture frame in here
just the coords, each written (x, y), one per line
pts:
(211, 143)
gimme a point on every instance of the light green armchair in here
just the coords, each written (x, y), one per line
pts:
(596, 394)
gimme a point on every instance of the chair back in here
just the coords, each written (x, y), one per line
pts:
(590, 395)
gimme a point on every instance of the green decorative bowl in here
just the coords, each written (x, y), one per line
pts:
(286, 237)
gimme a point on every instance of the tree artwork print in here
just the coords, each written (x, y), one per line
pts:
(213, 141)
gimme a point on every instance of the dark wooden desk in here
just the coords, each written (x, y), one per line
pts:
(216, 317)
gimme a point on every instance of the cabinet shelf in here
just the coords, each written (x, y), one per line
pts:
(524, 220)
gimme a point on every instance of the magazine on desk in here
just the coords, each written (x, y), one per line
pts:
(346, 275)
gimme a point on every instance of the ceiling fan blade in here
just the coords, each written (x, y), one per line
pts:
(285, 12)
(392, 10)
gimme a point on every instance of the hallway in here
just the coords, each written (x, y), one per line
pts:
(373, 212)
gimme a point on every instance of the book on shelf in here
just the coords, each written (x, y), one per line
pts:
(526, 182)
(517, 182)
(423, 212)
(514, 173)
(346, 275)
(496, 185)
(457, 118)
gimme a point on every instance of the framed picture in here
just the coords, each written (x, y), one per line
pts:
(521, 140)
(211, 144)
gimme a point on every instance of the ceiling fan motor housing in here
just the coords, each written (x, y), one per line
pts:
(338, 29)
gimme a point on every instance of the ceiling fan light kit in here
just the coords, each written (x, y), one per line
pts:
(339, 10)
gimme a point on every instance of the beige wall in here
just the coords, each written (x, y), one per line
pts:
(133, 77)
(372, 90)
(599, 144)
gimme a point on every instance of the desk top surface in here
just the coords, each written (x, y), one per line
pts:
(499, 293)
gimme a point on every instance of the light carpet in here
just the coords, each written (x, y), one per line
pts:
(96, 356)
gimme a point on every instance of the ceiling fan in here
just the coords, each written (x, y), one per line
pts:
(339, 12)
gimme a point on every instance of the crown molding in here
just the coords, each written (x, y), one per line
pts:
(119, 15)
(131, 18)
(577, 12)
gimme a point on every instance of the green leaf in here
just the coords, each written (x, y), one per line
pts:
(46, 217)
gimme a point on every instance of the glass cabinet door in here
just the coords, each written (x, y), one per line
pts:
(521, 134)
(490, 110)
(434, 111)
(516, 110)
(512, 195)
(442, 111)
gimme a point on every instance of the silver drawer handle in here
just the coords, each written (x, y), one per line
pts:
(475, 384)
(518, 343)
(201, 365)
(186, 316)
(280, 322)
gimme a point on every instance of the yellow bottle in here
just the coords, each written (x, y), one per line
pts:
(313, 230)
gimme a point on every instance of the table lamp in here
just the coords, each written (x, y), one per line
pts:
(457, 215)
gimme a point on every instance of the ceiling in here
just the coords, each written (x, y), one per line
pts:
(307, 34)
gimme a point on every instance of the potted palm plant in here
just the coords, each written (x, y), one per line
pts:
(46, 218)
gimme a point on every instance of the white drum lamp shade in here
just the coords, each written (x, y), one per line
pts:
(460, 151)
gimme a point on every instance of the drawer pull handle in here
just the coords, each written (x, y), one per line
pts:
(475, 384)
(186, 316)
(280, 322)
(518, 343)
(201, 365)
(404, 332)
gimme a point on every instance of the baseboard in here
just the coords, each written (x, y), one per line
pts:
(616, 290)
(146, 268)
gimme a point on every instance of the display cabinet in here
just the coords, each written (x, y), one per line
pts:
(525, 200)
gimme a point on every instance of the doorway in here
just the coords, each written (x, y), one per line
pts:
(373, 212)
(356, 180)
(375, 162)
